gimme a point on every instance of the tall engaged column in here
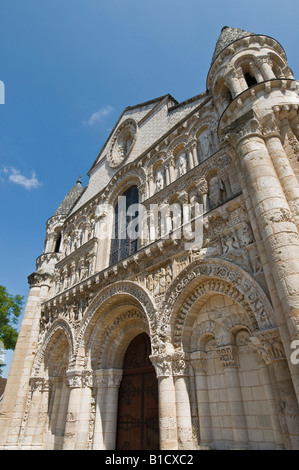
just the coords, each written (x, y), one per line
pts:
(198, 362)
(75, 385)
(180, 367)
(101, 382)
(276, 226)
(167, 402)
(235, 399)
(282, 165)
(17, 388)
(111, 403)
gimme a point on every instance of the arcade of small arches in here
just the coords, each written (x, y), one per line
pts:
(217, 366)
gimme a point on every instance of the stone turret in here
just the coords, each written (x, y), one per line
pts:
(241, 60)
(257, 98)
(54, 234)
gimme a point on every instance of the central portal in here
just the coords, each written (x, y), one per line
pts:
(138, 421)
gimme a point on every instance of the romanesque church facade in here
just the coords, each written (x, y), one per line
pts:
(154, 341)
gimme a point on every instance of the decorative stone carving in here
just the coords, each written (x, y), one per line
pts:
(216, 191)
(160, 180)
(182, 164)
(122, 143)
(226, 355)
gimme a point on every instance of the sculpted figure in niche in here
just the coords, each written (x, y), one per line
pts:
(205, 144)
(160, 180)
(125, 145)
(246, 235)
(216, 191)
(182, 164)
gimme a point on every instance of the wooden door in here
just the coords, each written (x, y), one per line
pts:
(138, 422)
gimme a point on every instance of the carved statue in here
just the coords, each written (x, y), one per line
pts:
(182, 164)
(216, 191)
(160, 180)
(205, 145)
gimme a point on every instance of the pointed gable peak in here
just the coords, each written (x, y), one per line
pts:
(228, 36)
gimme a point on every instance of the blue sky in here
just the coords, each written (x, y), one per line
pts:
(70, 67)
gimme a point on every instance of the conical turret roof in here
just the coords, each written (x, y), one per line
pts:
(228, 36)
(70, 199)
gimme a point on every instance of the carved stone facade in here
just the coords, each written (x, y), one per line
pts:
(220, 315)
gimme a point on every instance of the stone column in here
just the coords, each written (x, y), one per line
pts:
(283, 168)
(233, 83)
(111, 407)
(167, 402)
(167, 173)
(225, 353)
(84, 411)
(270, 349)
(101, 383)
(265, 364)
(17, 388)
(199, 364)
(75, 385)
(180, 367)
(54, 415)
(41, 429)
(32, 417)
(265, 66)
(276, 226)
(255, 71)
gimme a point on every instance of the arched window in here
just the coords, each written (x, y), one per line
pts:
(250, 80)
(57, 244)
(122, 245)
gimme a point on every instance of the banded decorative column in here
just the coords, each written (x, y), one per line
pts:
(167, 402)
(199, 364)
(270, 214)
(226, 355)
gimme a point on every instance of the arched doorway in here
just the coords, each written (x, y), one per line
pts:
(137, 421)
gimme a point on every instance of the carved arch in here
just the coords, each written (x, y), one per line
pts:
(120, 298)
(213, 275)
(59, 332)
(126, 177)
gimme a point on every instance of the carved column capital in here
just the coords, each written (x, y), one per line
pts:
(180, 364)
(244, 127)
(74, 378)
(162, 364)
